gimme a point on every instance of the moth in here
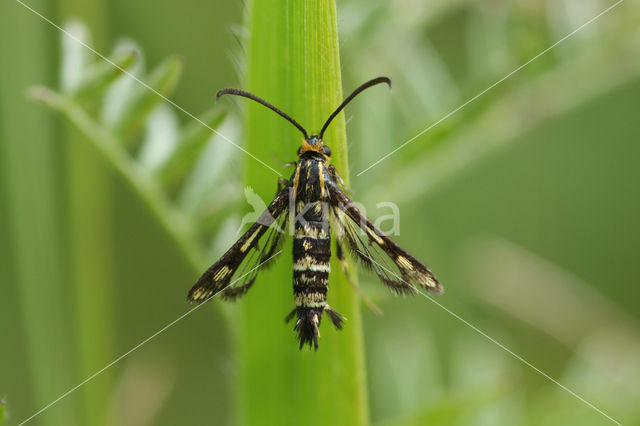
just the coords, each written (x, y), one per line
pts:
(309, 204)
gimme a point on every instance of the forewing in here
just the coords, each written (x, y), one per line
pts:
(394, 266)
(253, 250)
(258, 258)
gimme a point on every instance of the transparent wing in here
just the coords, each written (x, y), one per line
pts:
(253, 251)
(376, 251)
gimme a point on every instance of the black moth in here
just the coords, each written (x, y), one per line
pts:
(308, 200)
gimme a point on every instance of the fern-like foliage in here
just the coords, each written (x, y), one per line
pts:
(177, 163)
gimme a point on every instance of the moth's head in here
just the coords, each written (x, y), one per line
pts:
(314, 143)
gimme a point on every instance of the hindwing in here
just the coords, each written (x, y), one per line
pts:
(376, 251)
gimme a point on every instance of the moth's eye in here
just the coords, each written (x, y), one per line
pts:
(299, 151)
(326, 150)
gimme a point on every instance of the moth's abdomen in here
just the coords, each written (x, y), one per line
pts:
(311, 255)
(311, 251)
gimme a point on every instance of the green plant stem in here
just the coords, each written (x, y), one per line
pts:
(29, 167)
(294, 63)
(89, 255)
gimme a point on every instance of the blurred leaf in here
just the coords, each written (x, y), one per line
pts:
(508, 277)
(468, 409)
(75, 57)
(495, 123)
(99, 76)
(214, 215)
(160, 138)
(188, 148)
(171, 219)
(142, 391)
(488, 40)
(213, 169)
(121, 93)
(162, 80)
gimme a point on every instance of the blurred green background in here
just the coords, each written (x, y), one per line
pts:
(525, 204)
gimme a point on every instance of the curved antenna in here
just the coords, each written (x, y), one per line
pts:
(348, 99)
(251, 96)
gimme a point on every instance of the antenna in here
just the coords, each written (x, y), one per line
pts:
(239, 92)
(348, 99)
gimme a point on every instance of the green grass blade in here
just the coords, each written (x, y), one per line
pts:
(89, 250)
(29, 165)
(294, 63)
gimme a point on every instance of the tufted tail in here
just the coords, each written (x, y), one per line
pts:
(309, 321)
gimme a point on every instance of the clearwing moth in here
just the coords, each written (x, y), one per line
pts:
(311, 199)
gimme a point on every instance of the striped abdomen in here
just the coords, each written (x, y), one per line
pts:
(311, 251)
(311, 255)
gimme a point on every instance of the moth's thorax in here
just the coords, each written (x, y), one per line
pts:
(311, 179)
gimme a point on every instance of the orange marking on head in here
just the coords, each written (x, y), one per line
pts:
(314, 144)
(306, 146)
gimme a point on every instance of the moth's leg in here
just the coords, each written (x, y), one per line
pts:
(334, 173)
(336, 176)
(345, 269)
(290, 164)
(282, 182)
